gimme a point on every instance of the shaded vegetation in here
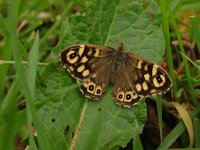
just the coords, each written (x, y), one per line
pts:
(41, 105)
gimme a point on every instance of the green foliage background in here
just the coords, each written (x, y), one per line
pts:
(61, 116)
(98, 125)
(56, 115)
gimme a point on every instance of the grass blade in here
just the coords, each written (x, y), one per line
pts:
(165, 25)
(137, 143)
(185, 62)
(159, 110)
(187, 121)
(177, 131)
(196, 30)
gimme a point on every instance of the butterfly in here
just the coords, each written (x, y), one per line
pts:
(132, 77)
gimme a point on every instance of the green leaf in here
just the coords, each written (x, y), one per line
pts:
(137, 143)
(136, 23)
(31, 75)
(75, 122)
(95, 123)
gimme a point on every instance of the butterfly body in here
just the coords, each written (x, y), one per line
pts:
(132, 77)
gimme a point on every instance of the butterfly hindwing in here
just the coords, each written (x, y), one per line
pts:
(124, 93)
(94, 87)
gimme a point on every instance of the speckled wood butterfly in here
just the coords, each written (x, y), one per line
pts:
(132, 77)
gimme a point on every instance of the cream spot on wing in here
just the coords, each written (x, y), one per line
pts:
(98, 90)
(97, 52)
(85, 72)
(146, 77)
(146, 67)
(89, 52)
(94, 75)
(144, 86)
(134, 95)
(120, 96)
(72, 61)
(71, 68)
(126, 106)
(86, 83)
(139, 65)
(135, 104)
(138, 87)
(153, 91)
(81, 68)
(70, 52)
(155, 82)
(91, 88)
(81, 49)
(154, 70)
(84, 59)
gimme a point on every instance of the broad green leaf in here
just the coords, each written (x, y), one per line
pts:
(75, 122)
(135, 23)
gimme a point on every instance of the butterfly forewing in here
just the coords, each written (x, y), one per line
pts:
(79, 59)
(151, 78)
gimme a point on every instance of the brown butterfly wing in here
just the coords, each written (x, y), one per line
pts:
(124, 91)
(89, 64)
(94, 87)
(151, 78)
(79, 59)
(138, 78)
